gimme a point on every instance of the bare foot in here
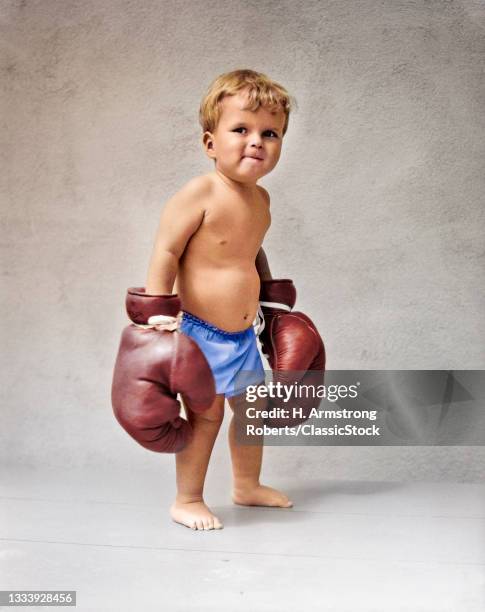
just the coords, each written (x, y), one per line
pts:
(260, 495)
(195, 515)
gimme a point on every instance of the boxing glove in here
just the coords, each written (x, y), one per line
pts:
(155, 362)
(293, 346)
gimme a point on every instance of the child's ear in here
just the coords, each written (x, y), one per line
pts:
(208, 142)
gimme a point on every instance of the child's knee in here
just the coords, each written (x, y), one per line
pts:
(213, 415)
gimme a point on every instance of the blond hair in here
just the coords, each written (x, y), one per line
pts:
(261, 90)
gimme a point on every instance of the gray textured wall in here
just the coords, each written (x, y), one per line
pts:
(376, 200)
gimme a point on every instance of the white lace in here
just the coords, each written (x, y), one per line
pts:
(259, 322)
(162, 322)
(276, 305)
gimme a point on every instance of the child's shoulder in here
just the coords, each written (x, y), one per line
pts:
(197, 187)
(264, 193)
(192, 197)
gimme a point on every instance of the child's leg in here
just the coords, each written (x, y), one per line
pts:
(247, 460)
(191, 466)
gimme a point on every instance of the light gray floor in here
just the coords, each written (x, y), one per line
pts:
(345, 546)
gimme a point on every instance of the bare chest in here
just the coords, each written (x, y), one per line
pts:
(235, 227)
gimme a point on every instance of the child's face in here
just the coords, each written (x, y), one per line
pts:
(245, 144)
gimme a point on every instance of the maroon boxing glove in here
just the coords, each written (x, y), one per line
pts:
(294, 348)
(154, 363)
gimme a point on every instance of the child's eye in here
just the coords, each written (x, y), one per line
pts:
(240, 130)
(270, 133)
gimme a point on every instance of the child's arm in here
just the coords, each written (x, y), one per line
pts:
(179, 220)
(262, 265)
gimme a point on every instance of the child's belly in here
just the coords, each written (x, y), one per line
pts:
(226, 297)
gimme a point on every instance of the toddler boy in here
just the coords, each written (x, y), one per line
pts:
(208, 250)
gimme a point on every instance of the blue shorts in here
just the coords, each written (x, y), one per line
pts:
(233, 356)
